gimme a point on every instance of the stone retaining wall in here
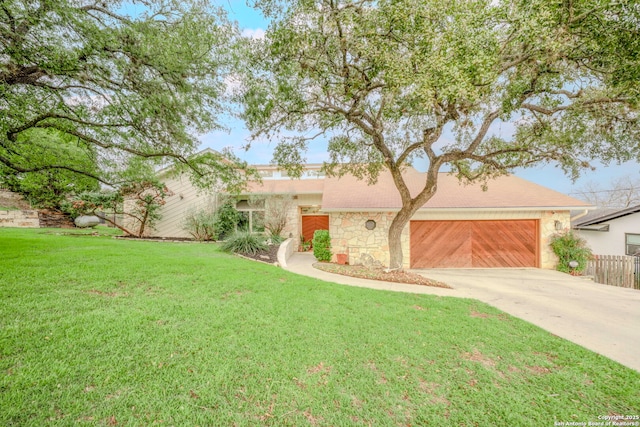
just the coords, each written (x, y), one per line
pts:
(23, 219)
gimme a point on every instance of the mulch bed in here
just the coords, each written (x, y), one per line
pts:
(363, 272)
(270, 256)
(162, 239)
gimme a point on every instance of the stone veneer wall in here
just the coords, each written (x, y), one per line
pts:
(548, 259)
(349, 235)
(22, 219)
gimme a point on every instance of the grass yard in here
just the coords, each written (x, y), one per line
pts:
(99, 331)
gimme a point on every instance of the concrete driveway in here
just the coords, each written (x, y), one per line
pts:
(605, 319)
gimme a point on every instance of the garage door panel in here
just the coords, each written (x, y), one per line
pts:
(481, 244)
(504, 243)
(441, 244)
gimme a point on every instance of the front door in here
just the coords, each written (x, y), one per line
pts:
(311, 223)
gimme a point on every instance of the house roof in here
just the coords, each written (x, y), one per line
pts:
(505, 192)
(286, 186)
(604, 215)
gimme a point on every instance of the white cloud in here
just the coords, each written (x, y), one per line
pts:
(257, 33)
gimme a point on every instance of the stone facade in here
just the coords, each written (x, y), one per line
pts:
(549, 220)
(350, 236)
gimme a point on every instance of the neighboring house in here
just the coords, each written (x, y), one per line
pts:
(611, 231)
(508, 225)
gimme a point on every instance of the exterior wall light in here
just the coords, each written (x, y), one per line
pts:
(370, 224)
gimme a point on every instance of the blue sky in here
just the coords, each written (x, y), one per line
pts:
(251, 21)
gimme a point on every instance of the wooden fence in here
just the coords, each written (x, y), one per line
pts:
(614, 270)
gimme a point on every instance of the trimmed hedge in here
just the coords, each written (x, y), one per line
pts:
(322, 245)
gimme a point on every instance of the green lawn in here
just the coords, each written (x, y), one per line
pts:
(99, 331)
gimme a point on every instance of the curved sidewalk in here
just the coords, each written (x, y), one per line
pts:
(302, 263)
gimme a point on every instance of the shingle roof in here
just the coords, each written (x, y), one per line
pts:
(604, 215)
(287, 186)
(348, 193)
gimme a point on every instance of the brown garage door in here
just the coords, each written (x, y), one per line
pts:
(311, 223)
(469, 244)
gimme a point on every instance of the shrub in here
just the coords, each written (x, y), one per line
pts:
(227, 219)
(138, 203)
(201, 224)
(569, 247)
(276, 239)
(244, 242)
(322, 245)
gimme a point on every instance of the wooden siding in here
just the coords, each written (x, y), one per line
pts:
(474, 244)
(185, 198)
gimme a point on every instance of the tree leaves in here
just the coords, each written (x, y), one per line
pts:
(140, 85)
(385, 81)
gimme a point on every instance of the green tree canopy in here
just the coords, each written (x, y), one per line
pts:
(118, 84)
(44, 187)
(385, 80)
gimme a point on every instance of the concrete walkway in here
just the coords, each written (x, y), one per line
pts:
(604, 319)
(301, 263)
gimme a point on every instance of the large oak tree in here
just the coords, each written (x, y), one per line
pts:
(386, 81)
(116, 79)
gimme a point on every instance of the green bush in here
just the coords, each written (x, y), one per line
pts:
(569, 247)
(244, 242)
(227, 219)
(322, 245)
(201, 224)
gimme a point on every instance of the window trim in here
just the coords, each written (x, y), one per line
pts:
(627, 245)
(251, 210)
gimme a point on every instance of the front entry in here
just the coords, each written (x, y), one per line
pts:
(311, 223)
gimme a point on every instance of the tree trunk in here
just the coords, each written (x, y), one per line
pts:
(113, 222)
(409, 207)
(395, 236)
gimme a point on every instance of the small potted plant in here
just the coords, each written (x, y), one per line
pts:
(304, 245)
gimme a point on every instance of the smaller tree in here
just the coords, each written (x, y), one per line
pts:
(137, 203)
(276, 213)
(227, 218)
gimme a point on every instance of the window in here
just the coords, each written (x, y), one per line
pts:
(632, 244)
(251, 215)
